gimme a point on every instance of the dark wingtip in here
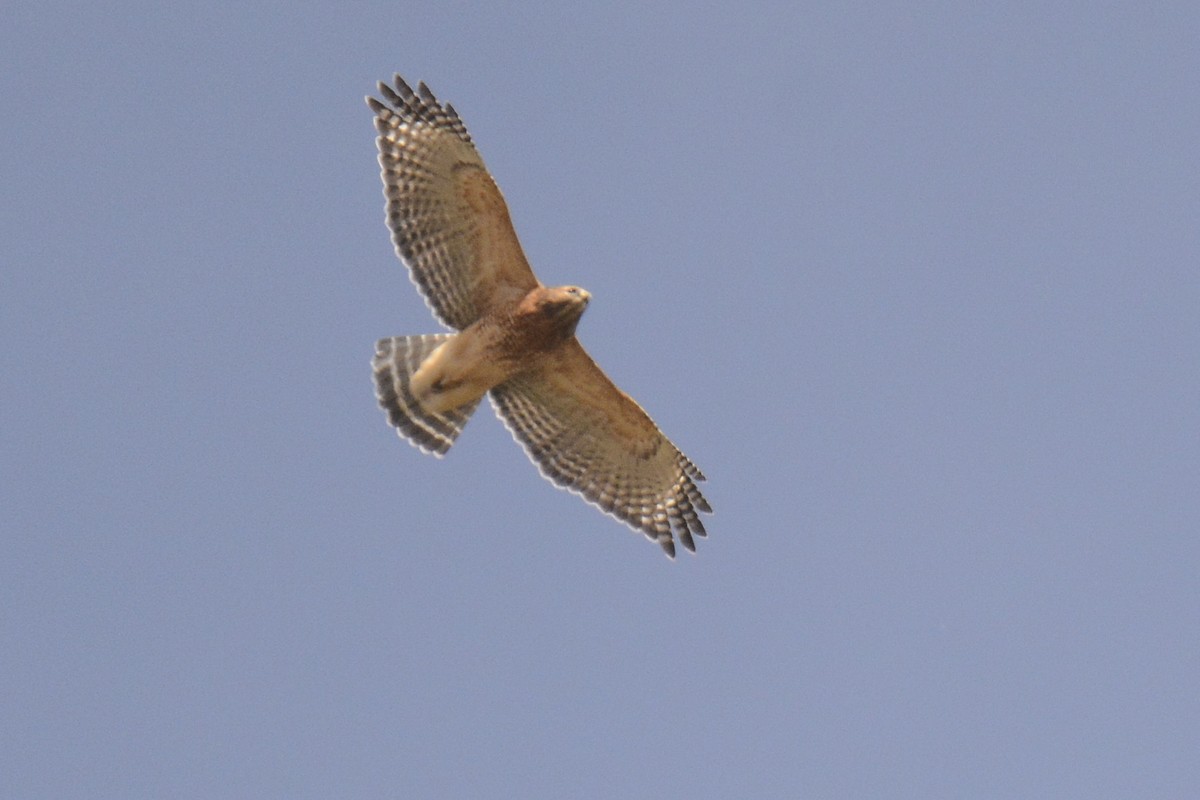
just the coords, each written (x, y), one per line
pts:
(668, 546)
(686, 538)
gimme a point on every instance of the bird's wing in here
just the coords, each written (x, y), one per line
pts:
(588, 436)
(448, 219)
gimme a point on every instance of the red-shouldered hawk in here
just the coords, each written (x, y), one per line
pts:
(515, 338)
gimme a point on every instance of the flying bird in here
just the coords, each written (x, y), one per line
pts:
(514, 339)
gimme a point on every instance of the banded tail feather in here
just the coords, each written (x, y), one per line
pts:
(396, 359)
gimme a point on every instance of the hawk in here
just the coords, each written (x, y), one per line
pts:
(514, 338)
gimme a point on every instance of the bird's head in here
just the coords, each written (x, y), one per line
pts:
(558, 308)
(563, 305)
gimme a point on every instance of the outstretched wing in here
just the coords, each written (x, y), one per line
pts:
(588, 436)
(448, 219)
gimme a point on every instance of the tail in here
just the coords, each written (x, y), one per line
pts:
(395, 361)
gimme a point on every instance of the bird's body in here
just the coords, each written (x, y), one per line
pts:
(497, 346)
(515, 338)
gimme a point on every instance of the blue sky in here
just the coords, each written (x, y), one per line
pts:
(916, 287)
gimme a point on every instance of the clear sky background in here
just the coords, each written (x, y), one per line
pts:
(916, 285)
